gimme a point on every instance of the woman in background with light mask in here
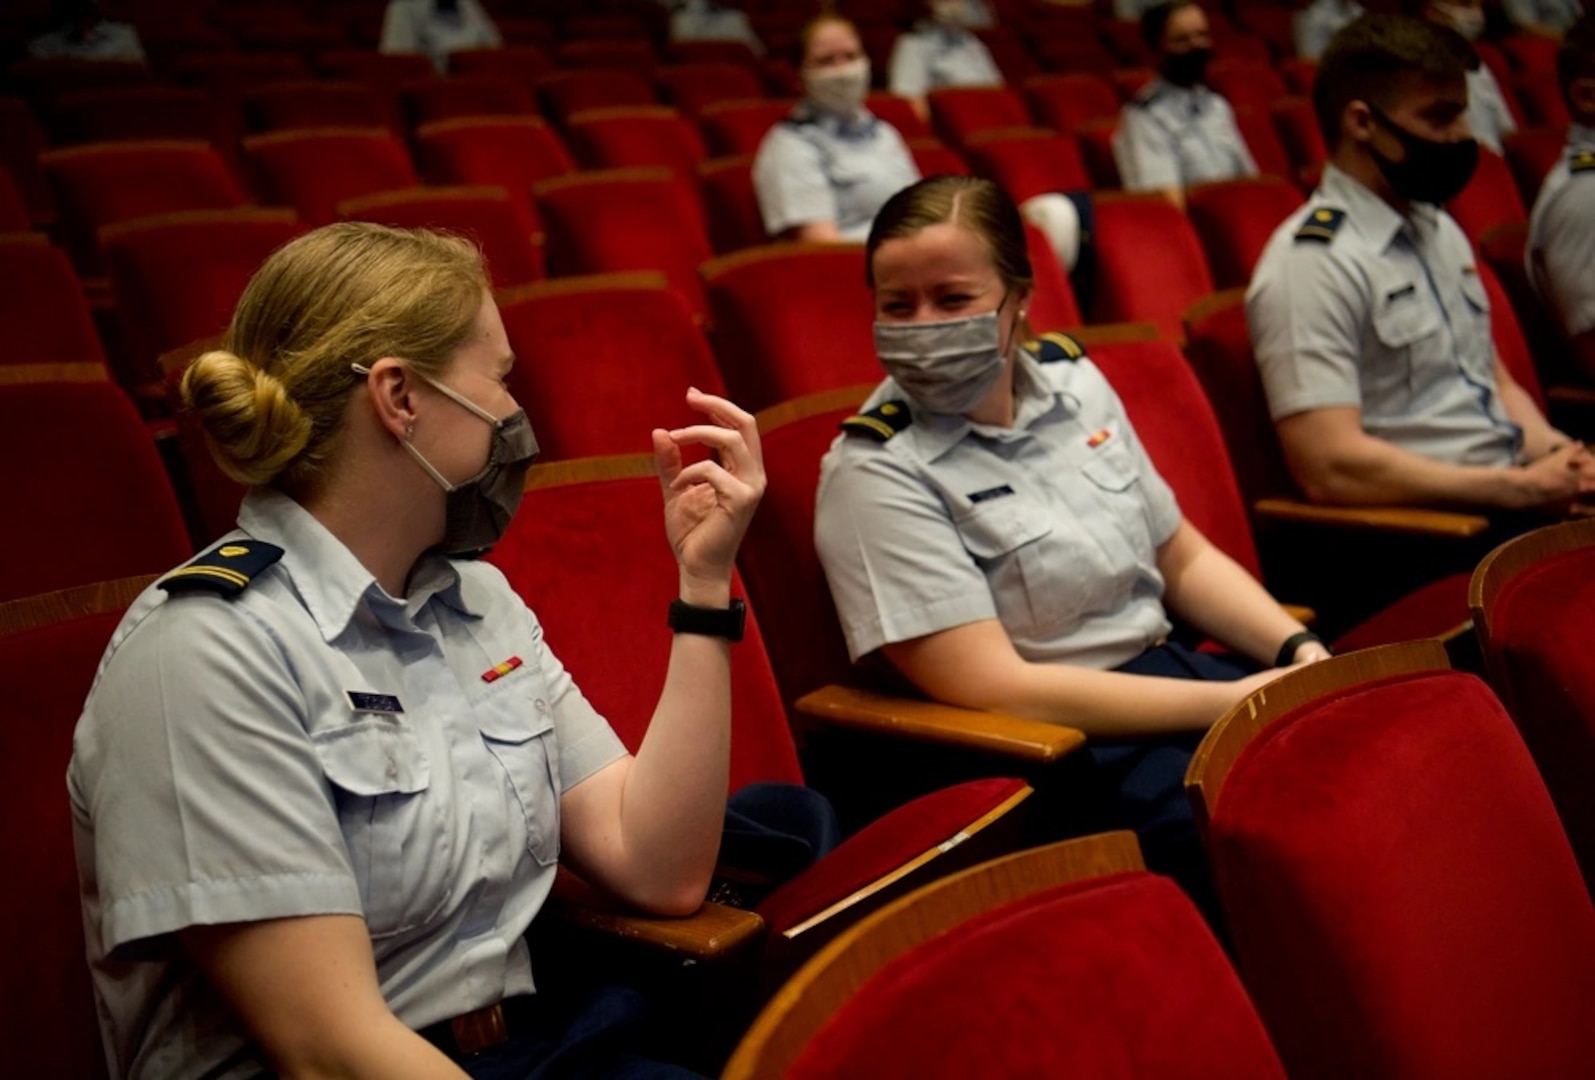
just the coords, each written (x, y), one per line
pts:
(325, 773)
(821, 173)
(991, 524)
(940, 51)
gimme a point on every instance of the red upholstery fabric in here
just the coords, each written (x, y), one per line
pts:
(14, 215)
(1131, 287)
(177, 277)
(1010, 51)
(884, 845)
(619, 55)
(139, 113)
(1299, 134)
(897, 112)
(315, 103)
(738, 127)
(691, 87)
(610, 221)
(962, 111)
(1490, 199)
(780, 565)
(1510, 344)
(483, 214)
(934, 158)
(731, 203)
(789, 321)
(566, 93)
(21, 139)
(1256, 126)
(105, 183)
(1299, 74)
(430, 100)
(1530, 52)
(1234, 220)
(92, 502)
(524, 64)
(1246, 83)
(592, 561)
(1402, 899)
(1540, 629)
(315, 170)
(50, 1028)
(635, 136)
(1095, 138)
(513, 152)
(1531, 153)
(1540, 94)
(42, 307)
(231, 72)
(375, 68)
(1063, 102)
(1177, 426)
(1434, 609)
(1112, 978)
(1052, 302)
(1027, 162)
(570, 355)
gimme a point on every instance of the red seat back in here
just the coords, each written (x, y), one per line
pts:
(959, 112)
(897, 112)
(635, 136)
(738, 127)
(1531, 153)
(1507, 334)
(1027, 162)
(42, 306)
(1297, 127)
(566, 93)
(87, 494)
(315, 170)
(316, 103)
(50, 648)
(1490, 199)
(1234, 220)
(483, 214)
(731, 203)
(933, 157)
(1052, 300)
(691, 87)
(1095, 138)
(791, 319)
(1063, 102)
(589, 539)
(1256, 126)
(1246, 83)
(429, 100)
(513, 152)
(625, 340)
(1131, 287)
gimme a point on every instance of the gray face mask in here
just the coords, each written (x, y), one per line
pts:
(948, 366)
(478, 510)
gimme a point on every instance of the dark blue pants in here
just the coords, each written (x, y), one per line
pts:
(591, 1040)
(1144, 778)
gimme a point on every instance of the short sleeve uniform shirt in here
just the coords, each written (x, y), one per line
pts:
(1353, 304)
(932, 57)
(816, 166)
(1170, 136)
(1051, 526)
(314, 746)
(1561, 245)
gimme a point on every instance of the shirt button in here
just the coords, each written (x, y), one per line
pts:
(393, 769)
(540, 705)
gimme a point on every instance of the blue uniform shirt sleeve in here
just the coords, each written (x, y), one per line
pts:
(1305, 315)
(790, 182)
(1144, 152)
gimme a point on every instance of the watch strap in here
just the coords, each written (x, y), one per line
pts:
(727, 622)
(1287, 651)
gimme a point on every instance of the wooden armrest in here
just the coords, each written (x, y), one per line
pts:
(708, 934)
(1441, 524)
(1301, 613)
(945, 725)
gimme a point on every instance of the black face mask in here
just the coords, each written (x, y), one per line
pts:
(1432, 172)
(1187, 68)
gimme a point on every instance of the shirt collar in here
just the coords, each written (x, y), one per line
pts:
(1194, 97)
(330, 581)
(936, 433)
(1369, 215)
(859, 126)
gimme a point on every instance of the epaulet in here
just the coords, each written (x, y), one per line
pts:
(1144, 96)
(226, 569)
(1321, 225)
(1583, 161)
(802, 116)
(1052, 346)
(881, 422)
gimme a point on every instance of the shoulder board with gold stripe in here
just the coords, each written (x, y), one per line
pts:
(1582, 162)
(1321, 225)
(1053, 346)
(881, 422)
(226, 569)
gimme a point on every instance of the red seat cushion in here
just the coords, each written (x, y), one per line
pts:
(1116, 977)
(1432, 611)
(882, 846)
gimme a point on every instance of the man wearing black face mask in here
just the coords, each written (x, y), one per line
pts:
(1177, 132)
(1369, 322)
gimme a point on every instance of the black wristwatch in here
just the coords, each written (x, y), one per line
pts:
(726, 622)
(1287, 651)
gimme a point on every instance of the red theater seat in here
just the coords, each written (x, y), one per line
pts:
(315, 170)
(1026, 162)
(635, 137)
(565, 93)
(1531, 153)
(738, 127)
(316, 103)
(692, 87)
(513, 152)
(1130, 286)
(1399, 891)
(1063, 102)
(483, 214)
(429, 100)
(1234, 220)
(731, 204)
(42, 308)
(1490, 199)
(958, 113)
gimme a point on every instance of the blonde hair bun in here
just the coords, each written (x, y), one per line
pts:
(254, 427)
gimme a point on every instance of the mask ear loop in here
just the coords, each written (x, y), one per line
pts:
(409, 433)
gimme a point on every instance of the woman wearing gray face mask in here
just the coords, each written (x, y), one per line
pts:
(823, 172)
(991, 524)
(323, 781)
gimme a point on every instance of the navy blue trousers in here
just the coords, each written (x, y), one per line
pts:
(591, 1040)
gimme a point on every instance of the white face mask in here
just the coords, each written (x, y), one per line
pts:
(948, 366)
(1467, 21)
(949, 12)
(838, 89)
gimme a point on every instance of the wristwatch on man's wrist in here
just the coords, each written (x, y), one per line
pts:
(726, 622)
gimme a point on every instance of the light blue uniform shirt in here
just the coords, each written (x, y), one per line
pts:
(1561, 244)
(1556, 14)
(1315, 24)
(222, 773)
(1388, 315)
(1489, 117)
(1051, 527)
(814, 166)
(416, 26)
(703, 20)
(932, 56)
(1173, 137)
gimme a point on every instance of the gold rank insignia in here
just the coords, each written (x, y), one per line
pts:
(1052, 346)
(226, 569)
(1582, 161)
(881, 422)
(1321, 225)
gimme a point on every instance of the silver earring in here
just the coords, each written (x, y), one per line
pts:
(409, 432)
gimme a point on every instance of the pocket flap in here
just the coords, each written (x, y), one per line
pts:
(373, 757)
(514, 719)
(1000, 526)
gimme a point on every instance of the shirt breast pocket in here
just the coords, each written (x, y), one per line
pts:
(520, 736)
(1111, 465)
(398, 838)
(1409, 326)
(1037, 576)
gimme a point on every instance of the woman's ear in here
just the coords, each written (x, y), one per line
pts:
(389, 388)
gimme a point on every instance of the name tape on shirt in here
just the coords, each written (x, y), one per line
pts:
(363, 701)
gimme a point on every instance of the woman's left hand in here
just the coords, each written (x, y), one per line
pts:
(708, 504)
